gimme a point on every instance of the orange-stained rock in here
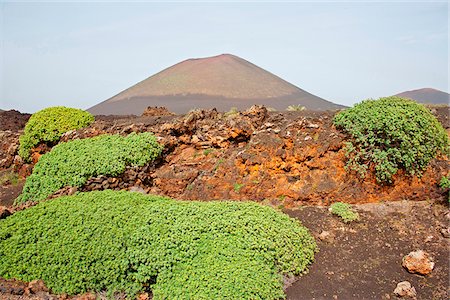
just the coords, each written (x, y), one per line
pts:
(25, 170)
(419, 262)
(35, 157)
(284, 158)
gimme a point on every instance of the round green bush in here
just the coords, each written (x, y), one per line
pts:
(125, 241)
(74, 162)
(47, 126)
(390, 134)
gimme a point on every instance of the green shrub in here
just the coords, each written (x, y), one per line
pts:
(124, 241)
(389, 134)
(445, 182)
(49, 124)
(74, 162)
(344, 210)
(237, 187)
(232, 112)
(296, 107)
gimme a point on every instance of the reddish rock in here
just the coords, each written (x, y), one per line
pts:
(35, 157)
(326, 236)
(4, 212)
(37, 286)
(12, 286)
(419, 262)
(156, 111)
(86, 296)
(143, 296)
(25, 170)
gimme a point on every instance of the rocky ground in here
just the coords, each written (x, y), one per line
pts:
(293, 161)
(363, 260)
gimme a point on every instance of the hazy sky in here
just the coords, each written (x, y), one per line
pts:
(79, 54)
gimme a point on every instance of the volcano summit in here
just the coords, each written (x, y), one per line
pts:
(222, 81)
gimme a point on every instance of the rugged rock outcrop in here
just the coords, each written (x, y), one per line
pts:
(156, 111)
(292, 158)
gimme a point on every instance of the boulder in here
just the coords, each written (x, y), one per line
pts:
(404, 289)
(419, 262)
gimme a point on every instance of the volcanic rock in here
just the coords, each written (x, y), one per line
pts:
(419, 262)
(404, 289)
(156, 111)
(37, 286)
(4, 212)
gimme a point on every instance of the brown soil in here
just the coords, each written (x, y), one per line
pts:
(10, 192)
(363, 260)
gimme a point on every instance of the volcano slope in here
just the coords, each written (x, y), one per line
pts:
(221, 82)
(427, 96)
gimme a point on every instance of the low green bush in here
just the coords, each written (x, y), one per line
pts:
(344, 211)
(49, 124)
(389, 134)
(296, 107)
(445, 182)
(74, 162)
(124, 241)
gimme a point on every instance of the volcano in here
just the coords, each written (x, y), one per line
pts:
(427, 96)
(221, 82)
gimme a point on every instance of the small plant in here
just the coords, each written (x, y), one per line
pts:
(445, 182)
(207, 151)
(271, 109)
(389, 134)
(47, 126)
(220, 161)
(297, 107)
(237, 187)
(9, 177)
(233, 111)
(74, 162)
(345, 211)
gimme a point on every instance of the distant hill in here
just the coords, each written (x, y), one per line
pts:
(427, 96)
(222, 82)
